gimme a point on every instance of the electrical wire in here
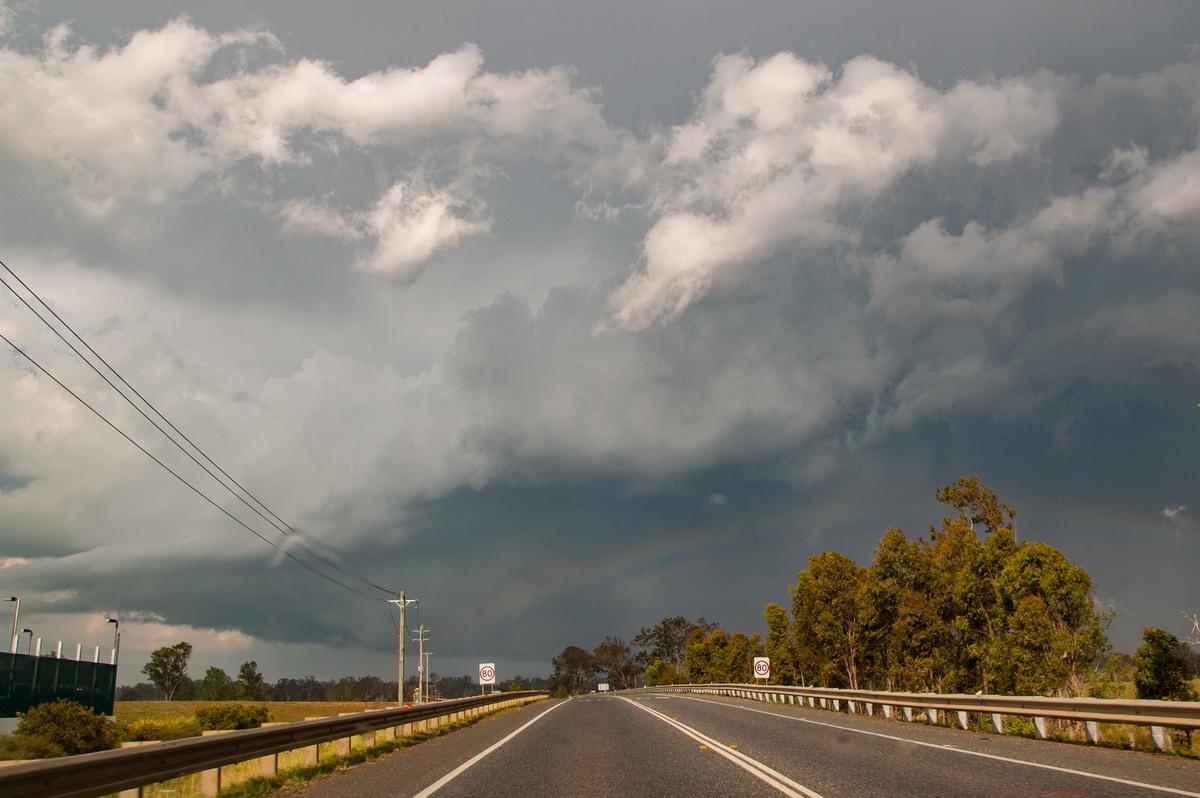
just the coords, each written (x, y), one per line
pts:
(242, 494)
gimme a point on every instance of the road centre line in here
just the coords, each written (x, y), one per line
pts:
(980, 754)
(458, 771)
(751, 766)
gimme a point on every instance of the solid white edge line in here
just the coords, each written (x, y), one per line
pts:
(982, 755)
(752, 766)
(444, 780)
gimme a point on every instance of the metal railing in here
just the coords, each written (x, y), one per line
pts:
(1158, 715)
(106, 772)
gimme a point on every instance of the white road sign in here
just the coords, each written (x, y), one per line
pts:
(487, 673)
(762, 667)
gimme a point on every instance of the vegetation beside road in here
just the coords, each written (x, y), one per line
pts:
(971, 608)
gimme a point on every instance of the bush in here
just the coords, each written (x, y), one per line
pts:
(24, 747)
(69, 725)
(166, 729)
(233, 716)
(1162, 669)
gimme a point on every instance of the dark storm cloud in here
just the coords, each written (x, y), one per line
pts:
(590, 322)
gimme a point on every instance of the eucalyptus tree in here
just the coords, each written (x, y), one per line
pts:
(167, 668)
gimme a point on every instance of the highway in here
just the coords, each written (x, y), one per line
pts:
(672, 745)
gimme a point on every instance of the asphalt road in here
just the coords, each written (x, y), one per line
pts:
(666, 745)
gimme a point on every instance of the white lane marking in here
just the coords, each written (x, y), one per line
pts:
(751, 766)
(980, 754)
(458, 771)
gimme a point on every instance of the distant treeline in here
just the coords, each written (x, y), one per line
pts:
(349, 688)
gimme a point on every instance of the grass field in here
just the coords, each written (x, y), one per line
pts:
(281, 711)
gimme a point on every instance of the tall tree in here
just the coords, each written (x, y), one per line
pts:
(167, 668)
(615, 658)
(251, 686)
(667, 640)
(573, 668)
(786, 667)
(956, 614)
(1163, 671)
(1046, 597)
(215, 686)
(832, 616)
(976, 503)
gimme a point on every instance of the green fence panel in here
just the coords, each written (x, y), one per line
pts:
(26, 681)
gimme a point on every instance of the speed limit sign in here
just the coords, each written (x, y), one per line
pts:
(762, 668)
(487, 673)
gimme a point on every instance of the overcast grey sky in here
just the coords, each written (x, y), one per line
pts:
(567, 317)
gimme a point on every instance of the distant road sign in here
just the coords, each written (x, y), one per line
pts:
(762, 667)
(487, 673)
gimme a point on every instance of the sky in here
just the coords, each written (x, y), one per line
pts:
(564, 318)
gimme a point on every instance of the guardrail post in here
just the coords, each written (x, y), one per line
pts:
(310, 751)
(870, 709)
(133, 792)
(210, 780)
(932, 716)
(887, 711)
(997, 723)
(1092, 731)
(269, 764)
(850, 707)
(1039, 728)
(962, 720)
(1160, 739)
(907, 714)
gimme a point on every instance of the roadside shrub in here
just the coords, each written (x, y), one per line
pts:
(233, 716)
(166, 729)
(25, 747)
(69, 725)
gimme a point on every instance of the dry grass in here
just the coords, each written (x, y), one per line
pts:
(281, 711)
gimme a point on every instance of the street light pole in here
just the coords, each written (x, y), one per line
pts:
(12, 645)
(422, 674)
(427, 673)
(402, 603)
(116, 639)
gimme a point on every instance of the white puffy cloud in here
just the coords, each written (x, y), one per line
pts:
(398, 236)
(779, 150)
(181, 111)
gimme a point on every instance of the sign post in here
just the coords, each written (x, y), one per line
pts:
(762, 668)
(487, 674)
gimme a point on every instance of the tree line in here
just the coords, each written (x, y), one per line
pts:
(970, 609)
(167, 670)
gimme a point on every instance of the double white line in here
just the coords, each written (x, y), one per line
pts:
(751, 766)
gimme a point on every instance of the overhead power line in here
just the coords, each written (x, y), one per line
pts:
(172, 433)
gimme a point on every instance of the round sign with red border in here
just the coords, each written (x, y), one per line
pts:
(762, 668)
(487, 673)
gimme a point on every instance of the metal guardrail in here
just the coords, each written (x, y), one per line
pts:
(106, 772)
(1158, 715)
